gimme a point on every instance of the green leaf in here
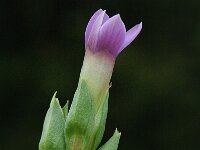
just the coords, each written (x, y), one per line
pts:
(100, 121)
(80, 119)
(65, 109)
(53, 129)
(112, 143)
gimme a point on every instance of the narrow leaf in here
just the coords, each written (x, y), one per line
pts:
(65, 109)
(80, 119)
(53, 129)
(100, 120)
(112, 143)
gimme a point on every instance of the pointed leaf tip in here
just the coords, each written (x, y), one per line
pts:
(52, 137)
(113, 142)
(54, 95)
(117, 132)
(65, 109)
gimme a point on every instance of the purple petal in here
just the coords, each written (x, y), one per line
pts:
(131, 35)
(106, 17)
(90, 24)
(112, 35)
(93, 36)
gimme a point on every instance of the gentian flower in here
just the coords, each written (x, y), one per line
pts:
(108, 34)
(105, 38)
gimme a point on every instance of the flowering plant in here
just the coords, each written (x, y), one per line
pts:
(82, 126)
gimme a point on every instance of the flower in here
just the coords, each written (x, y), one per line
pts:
(105, 38)
(108, 34)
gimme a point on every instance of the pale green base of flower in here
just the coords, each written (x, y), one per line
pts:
(81, 128)
(97, 71)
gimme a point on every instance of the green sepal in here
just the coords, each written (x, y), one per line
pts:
(80, 119)
(112, 143)
(100, 121)
(65, 109)
(53, 129)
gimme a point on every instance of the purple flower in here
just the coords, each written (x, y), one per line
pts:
(108, 34)
(105, 38)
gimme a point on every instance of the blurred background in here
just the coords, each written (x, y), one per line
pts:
(155, 96)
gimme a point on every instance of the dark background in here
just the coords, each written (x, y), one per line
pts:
(155, 97)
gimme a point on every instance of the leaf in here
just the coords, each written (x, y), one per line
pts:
(65, 109)
(100, 120)
(53, 129)
(112, 143)
(80, 119)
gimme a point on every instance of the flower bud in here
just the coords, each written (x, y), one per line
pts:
(105, 38)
